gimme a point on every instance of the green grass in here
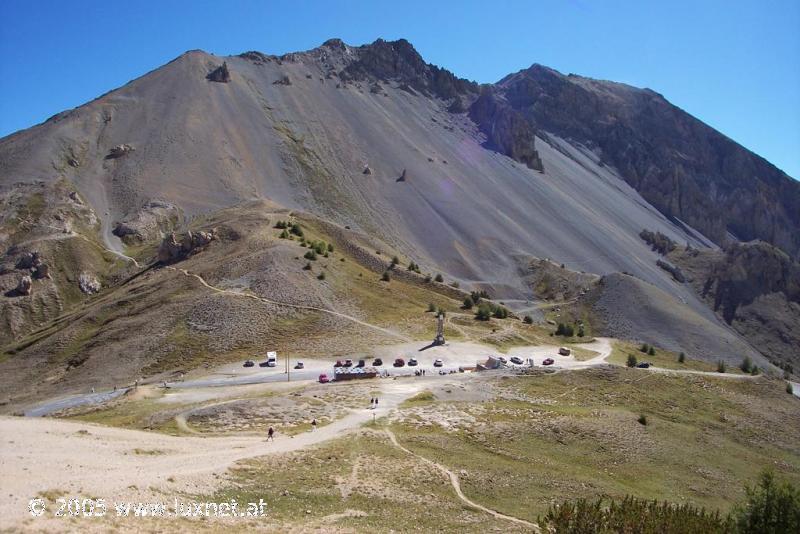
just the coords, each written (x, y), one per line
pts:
(663, 358)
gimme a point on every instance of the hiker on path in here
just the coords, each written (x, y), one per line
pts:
(313, 424)
(271, 434)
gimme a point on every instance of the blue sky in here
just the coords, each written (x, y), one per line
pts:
(733, 64)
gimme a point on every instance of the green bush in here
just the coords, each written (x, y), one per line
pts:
(385, 277)
(789, 388)
(565, 330)
(439, 278)
(395, 261)
(500, 312)
(284, 235)
(642, 420)
(428, 278)
(755, 370)
(484, 312)
(296, 230)
(455, 284)
(330, 247)
(321, 276)
(581, 332)
(307, 266)
(771, 507)
(681, 357)
(632, 361)
(528, 319)
(630, 515)
(468, 303)
(310, 255)
(478, 295)
(644, 348)
(746, 364)
(720, 366)
(651, 351)
(431, 307)
(281, 225)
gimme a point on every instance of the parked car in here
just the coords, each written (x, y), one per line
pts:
(502, 359)
(643, 365)
(377, 361)
(339, 363)
(323, 379)
(564, 351)
(348, 363)
(299, 365)
(249, 363)
(438, 362)
(548, 361)
(361, 363)
(516, 359)
(263, 364)
(412, 362)
(399, 362)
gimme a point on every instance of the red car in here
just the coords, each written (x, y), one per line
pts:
(548, 361)
(323, 379)
(399, 362)
(338, 363)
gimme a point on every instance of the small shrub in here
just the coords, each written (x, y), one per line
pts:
(644, 348)
(528, 319)
(310, 255)
(581, 332)
(560, 329)
(786, 374)
(789, 388)
(330, 247)
(431, 307)
(385, 276)
(307, 266)
(484, 312)
(321, 276)
(284, 235)
(428, 279)
(395, 260)
(439, 278)
(746, 365)
(468, 303)
(632, 361)
(455, 284)
(770, 507)
(681, 357)
(296, 230)
(720, 366)
(281, 225)
(651, 351)
(755, 370)
(500, 312)
(642, 420)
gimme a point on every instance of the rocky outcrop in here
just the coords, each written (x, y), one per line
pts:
(148, 223)
(221, 74)
(400, 62)
(683, 167)
(658, 241)
(174, 248)
(88, 283)
(403, 176)
(42, 271)
(283, 80)
(506, 130)
(24, 287)
(676, 272)
(28, 260)
(119, 151)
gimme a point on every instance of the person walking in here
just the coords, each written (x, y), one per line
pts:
(313, 424)
(376, 402)
(271, 434)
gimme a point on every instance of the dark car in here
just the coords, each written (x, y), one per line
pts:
(412, 362)
(348, 363)
(643, 365)
(339, 363)
(361, 363)
(299, 365)
(399, 362)
(517, 360)
(548, 361)
(377, 361)
(249, 363)
(263, 364)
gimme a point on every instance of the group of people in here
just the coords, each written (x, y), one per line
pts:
(373, 403)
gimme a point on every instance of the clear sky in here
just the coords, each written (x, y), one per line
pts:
(733, 64)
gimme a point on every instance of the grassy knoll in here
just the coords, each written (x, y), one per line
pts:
(663, 358)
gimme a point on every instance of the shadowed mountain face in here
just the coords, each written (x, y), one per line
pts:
(469, 181)
(680, 165)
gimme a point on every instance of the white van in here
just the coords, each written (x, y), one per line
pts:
(272, 359)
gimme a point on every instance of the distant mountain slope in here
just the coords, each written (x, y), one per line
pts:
(680, 165)
(465, 180)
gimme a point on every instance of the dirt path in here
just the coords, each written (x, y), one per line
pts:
(457, 486)
(288, 305)
(75, 458)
